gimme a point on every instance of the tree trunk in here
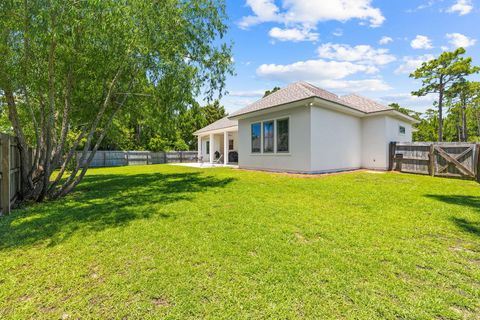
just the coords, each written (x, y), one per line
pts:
(440, 111)
(50, 122)
(464, 123)
(27, 183)
(478, 122)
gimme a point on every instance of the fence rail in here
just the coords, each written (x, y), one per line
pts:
(446, 159)
(130, 158)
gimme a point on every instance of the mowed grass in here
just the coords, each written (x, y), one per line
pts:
(171, 242)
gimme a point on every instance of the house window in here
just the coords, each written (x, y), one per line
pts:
(207, 146)
(282, 135)
(268, 136)
(401, 129)
(230, 144)
(256, 137)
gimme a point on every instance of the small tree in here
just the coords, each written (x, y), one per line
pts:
(438, 75)
(269, 92)
(406, 111)
(213, 112)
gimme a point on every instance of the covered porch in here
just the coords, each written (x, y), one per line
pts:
(218, 142)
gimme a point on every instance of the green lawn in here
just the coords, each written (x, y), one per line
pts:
(163, 241)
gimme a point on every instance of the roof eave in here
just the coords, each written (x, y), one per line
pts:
(278, 107)
(396, 114)
(219, 130)
(340, 107)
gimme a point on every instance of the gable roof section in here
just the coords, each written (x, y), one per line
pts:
(217, 125)
(302, 90)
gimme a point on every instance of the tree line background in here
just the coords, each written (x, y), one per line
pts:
(455, 113)
(448, 74)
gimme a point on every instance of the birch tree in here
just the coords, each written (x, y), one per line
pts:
(69, 68)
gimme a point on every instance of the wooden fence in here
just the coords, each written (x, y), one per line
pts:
(129, 158)
(445, 159)
(10, 184)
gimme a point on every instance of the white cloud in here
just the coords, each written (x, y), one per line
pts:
(421, 42)
(354, 85)
(336, 63)
(458, 40)
(410, 64)
(312, 70)
(338, 32)
(265, 10)
(406, 100)
(462, 7)
(421, 6)
(247, 93)
(293, 34)
(363, 54)
(385, 40)
(309, 13)
(232, 104)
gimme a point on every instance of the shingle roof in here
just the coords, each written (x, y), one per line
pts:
(364, 104)
(217, 125)
(302, 90)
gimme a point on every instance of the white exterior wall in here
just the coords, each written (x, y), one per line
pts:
(324, 140)
(336, 141)
(234, 136)
(298, 157)
(218, 146)
(393, 133)
(378, 132)
(374, 143)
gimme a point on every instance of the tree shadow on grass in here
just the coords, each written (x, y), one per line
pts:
(101, 202)
(472, 202)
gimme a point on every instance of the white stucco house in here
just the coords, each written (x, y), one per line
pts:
(305, 129)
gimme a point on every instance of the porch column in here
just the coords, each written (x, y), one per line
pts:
(212, 150)
(199, 147)
(225, 147)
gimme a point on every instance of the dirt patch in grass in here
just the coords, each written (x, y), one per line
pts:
(161, 302)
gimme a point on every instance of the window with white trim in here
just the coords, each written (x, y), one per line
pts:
(401, 129)
(282, 135)
(268, 136)
(256, 137)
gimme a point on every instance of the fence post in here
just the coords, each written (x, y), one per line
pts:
(478, 163)
(431, 160)
(391, 152)
(148, 155)
(181, 156)
(164, 156)
(5, 196)
(128, 160)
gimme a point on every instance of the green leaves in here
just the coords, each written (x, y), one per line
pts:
(59, 59)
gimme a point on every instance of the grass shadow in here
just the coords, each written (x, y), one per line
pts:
(101, 202)
(471, 202)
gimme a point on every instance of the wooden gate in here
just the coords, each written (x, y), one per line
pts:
(446, 159)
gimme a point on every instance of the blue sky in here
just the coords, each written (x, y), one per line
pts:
(344, 46)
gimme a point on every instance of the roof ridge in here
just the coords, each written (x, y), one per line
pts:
(306, 87)
(314, 87)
